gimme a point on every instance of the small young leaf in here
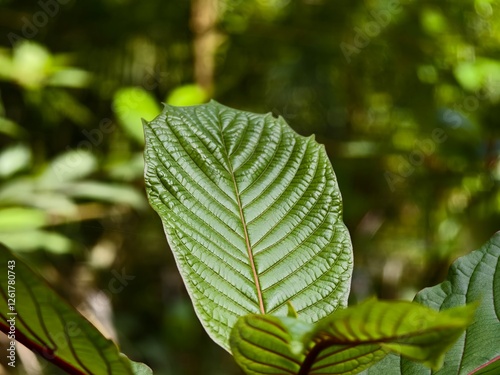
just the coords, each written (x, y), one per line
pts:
(348, 341)
(252, 212)
(292, 313)
(34, 315)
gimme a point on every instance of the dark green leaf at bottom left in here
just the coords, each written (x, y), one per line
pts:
(34, 315)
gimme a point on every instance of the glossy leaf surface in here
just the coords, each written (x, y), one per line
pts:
(472, 278)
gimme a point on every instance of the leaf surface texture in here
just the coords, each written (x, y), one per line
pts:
(252, 212)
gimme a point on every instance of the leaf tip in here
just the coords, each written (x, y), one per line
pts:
(292, 313)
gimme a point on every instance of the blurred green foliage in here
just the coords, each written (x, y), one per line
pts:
(404, 94)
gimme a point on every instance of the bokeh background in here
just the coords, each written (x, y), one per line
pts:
(404, 94)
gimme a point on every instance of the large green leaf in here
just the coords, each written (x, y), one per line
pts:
(472, 278)
(252, 212)
(349, 340)
(34, 315)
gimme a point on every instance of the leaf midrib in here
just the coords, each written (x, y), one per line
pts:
(245, 230)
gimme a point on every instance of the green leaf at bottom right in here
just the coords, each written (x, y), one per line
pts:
(472, 278)
(348, 341)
